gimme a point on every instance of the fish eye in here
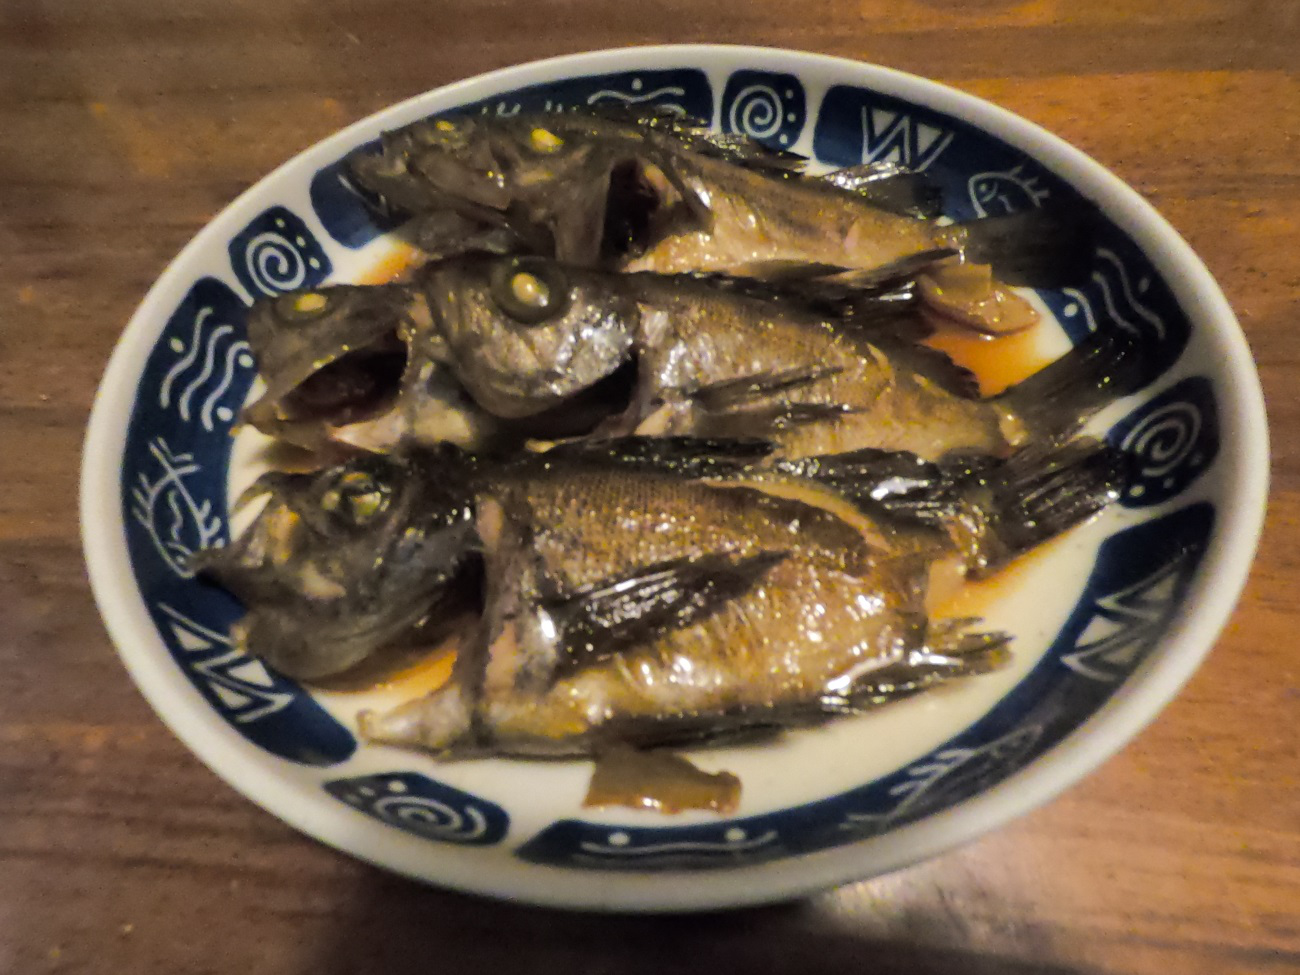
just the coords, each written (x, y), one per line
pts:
(433, 132)
(302, 305)
(530, 291)
(355, 498)
(544, 141)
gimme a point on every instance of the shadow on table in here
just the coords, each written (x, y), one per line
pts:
(398, 927)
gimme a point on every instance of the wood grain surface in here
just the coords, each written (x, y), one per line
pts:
(125, 125)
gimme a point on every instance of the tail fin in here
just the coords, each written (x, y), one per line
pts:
(951, 652)
(1048, 247)
(1034, 495)
(1055, 401)
(993, 510)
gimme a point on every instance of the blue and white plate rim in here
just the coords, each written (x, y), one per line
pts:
(258, 776)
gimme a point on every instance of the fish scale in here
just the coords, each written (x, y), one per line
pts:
(622, 522)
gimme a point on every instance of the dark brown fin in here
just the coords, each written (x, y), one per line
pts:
(743, 391)
(890, 482)
(891, 274)
(1055, 401)
(689, 457)
(599, 622)
(823, 290)
(890, 187)
(1034, 495)
(696, 135)
(730, 729)
(1049, 247)
(766, 421)
(951, 653)
(932, 364)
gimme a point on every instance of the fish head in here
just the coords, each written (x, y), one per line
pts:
(358, 365)
(444, 163)
(346, 562)
(474, 166)
(329, 355)
(561, 185)
(527, 334)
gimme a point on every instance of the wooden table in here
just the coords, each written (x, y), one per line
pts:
(126, 125)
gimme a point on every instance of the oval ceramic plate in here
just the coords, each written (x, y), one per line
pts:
(1118, 615)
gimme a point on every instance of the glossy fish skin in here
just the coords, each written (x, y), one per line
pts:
(822, 613)
(357, 365)
(714, 357)
(546, 177)
(813, 384)
(349, 561)
(655, 192)
(519, 357)
(757, 221)
(549, 175)
(562, 534)
(718, 357)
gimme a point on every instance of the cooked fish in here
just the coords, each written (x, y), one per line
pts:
(345, 563)
(375, 554)
(353, 365)
(628, 607)
(818, 369)
(662, 193)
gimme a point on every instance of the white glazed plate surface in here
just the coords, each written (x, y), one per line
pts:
(1115, 619)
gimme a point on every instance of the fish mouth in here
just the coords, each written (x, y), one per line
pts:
(322, 644)
(359, 385)
(642, 207)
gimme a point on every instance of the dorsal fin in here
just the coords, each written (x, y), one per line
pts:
(818, 290)
(890, 187)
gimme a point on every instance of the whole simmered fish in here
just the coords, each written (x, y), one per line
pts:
(629, 606)
(478, 343)
(381, 552)
(659, 192)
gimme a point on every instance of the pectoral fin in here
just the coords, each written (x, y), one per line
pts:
(601, 621)
(745, 391)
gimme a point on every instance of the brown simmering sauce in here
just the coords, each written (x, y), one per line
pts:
(408, 673)
(392, 267)
(996, 361)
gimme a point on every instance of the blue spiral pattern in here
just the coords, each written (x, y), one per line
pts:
(771, 108)
(276, 253)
